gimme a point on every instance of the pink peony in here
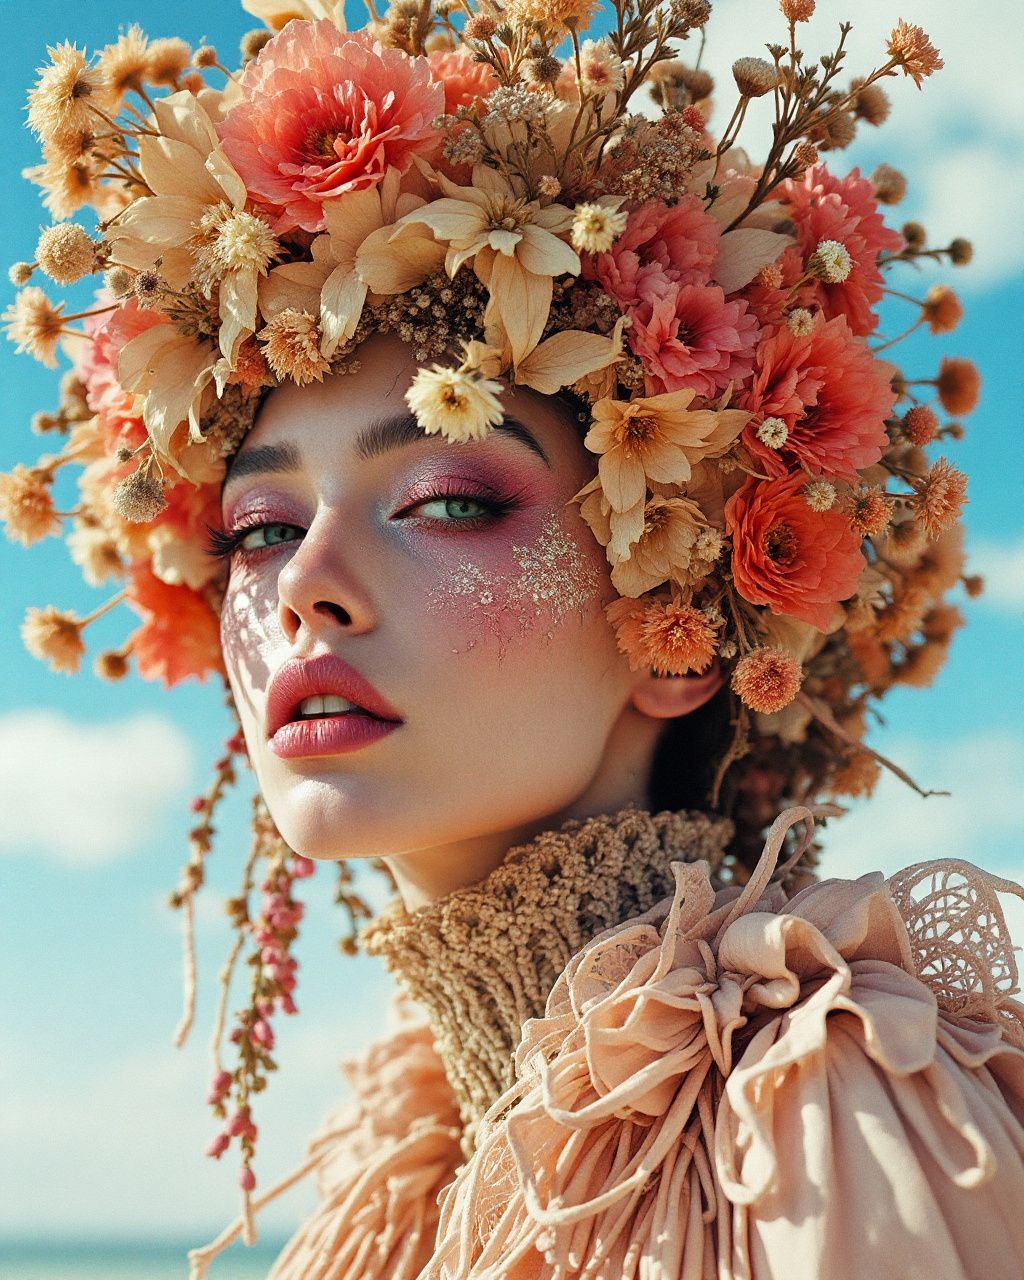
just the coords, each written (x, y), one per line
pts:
(689, 336)
(830, 391)
(322, 113)
(465, 82)
(661, 245)
(96, 365)
(824, 207)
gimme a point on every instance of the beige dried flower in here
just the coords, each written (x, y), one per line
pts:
(95, 552)
(596, 225)
(550, 15)
(60, 103)
(913, 51)
(797, 10)
(253, 42)
(26, 504)
(112, 664)
(754, 76)
(806, 154)
(20, 273)
(914, 234)
(890, 185)
(204, 57)
(871, 102)
(830, 262)
(119, 280)
(66, 253)
(35, 324)
(961, 251)
(124, 63)
(291, 343)
(54, 637)
(167, 61)
(460, 404)
(139, 498)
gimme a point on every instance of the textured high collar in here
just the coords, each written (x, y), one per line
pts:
(483, 958)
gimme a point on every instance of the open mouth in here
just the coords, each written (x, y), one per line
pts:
(321, 708)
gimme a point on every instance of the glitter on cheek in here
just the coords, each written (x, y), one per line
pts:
(554, 580)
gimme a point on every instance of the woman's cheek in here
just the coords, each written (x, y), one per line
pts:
(510, 590)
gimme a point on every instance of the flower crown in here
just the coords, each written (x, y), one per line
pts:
(497, 190)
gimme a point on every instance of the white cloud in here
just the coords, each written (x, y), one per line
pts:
(87, 793)
(959, 139)
(979, 822)
(1001, 564)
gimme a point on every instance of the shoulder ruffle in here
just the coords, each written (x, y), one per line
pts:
(736, 1085)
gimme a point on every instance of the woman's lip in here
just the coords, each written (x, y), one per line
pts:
(329, 736)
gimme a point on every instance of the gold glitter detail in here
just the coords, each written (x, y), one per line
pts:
(554, 580)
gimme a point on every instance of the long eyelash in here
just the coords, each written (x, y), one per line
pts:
(221, 544)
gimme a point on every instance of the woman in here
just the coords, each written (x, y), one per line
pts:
(552, 632)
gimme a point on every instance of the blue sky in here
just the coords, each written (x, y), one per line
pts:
(103, 1120)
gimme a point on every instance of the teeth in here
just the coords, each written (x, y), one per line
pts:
(327, 705)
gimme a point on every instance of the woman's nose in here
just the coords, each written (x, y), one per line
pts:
(321, 587)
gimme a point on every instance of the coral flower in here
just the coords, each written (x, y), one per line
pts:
(797, 561)
(672, 638)
(465, 82)
(689, 336)
(845, 210)
(180, 634)
(96, 365)
(832, 394)
(657, 438)
(661, 245)
(321, 113)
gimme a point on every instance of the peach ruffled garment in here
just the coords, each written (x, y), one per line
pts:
(738, 1086)
(731, 1086)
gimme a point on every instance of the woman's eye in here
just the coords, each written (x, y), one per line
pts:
(454, 508)
(270, 532)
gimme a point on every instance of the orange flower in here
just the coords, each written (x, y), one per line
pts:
(655, 438)
(913, 51)
(657, 632)
(797, 561)
(180, 634)
(464, 81)
(767, 680)
(942, 309)
(959, 383)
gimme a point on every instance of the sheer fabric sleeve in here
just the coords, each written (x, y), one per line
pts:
(737, 1086)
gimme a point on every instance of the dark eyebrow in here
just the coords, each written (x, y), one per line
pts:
(378, 437)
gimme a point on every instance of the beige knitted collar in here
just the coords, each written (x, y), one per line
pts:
(482, 959)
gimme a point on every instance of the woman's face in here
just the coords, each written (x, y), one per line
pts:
(453, 577)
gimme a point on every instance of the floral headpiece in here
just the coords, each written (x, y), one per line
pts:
(523, 206)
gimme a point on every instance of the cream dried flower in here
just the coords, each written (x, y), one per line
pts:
(124, 63)
(66, 253)
(459, 403)
(754, 76)
(167, 60)
(61, 101)
(830, 262)
(596, 225)
(800, 321)
(291, 343)
(35, 324)
(54, 637)
(139, 498)
(26, 504)
(773, 432)
(820, 495)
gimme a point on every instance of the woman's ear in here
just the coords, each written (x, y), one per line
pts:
(665, 697)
